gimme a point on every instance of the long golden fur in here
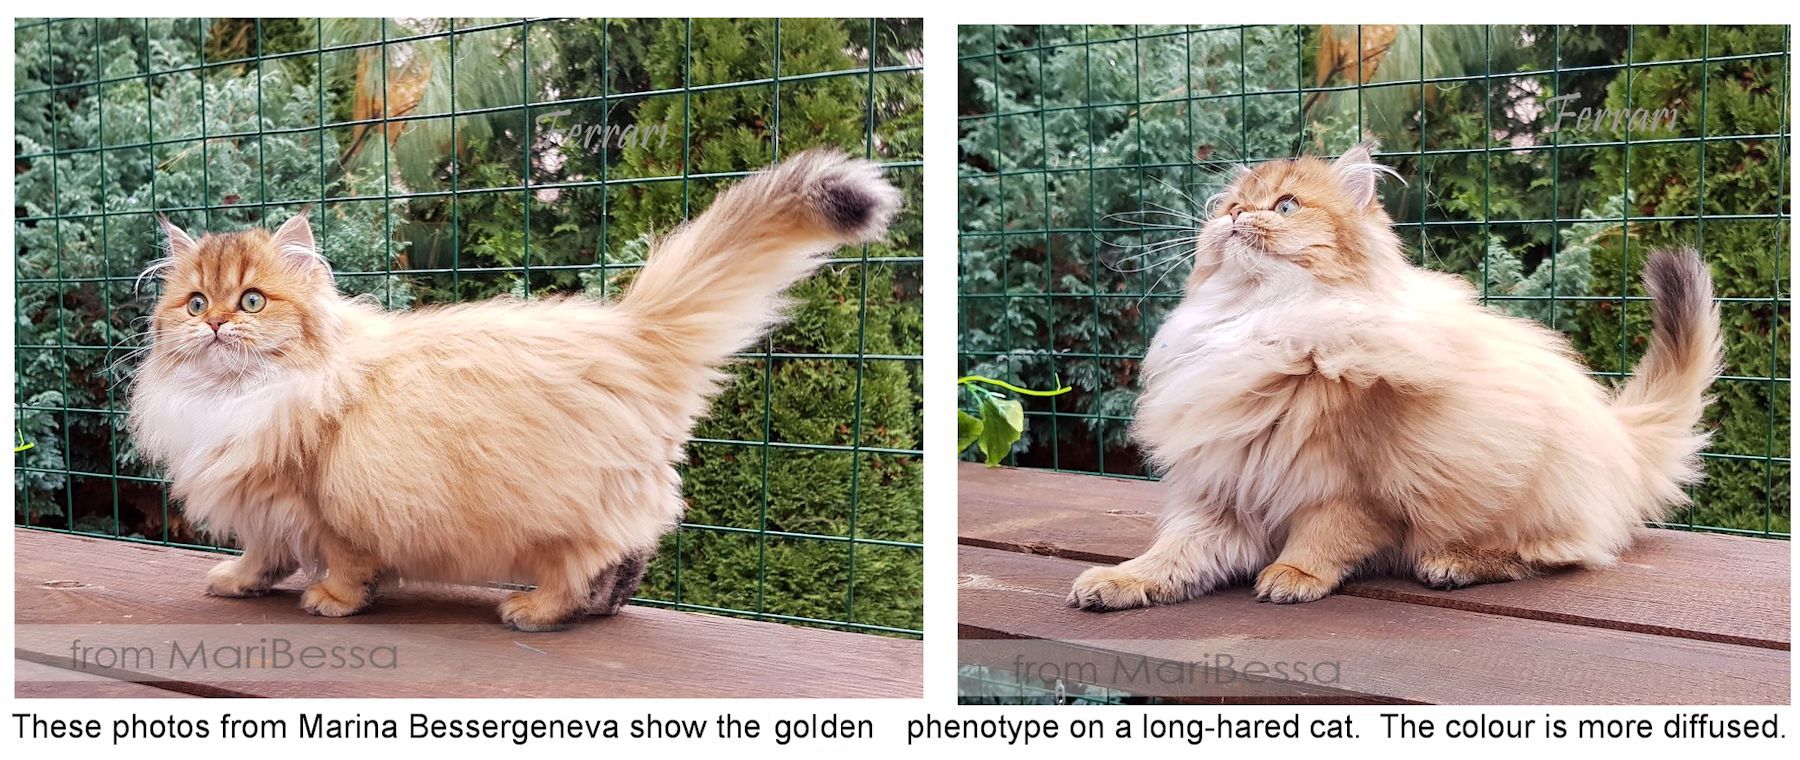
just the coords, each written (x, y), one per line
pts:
(504, 440)
(1319, 405)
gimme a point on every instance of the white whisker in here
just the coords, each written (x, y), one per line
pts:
(1148, 250)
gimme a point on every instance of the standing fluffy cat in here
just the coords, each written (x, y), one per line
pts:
(1319, 405)
(530, 441)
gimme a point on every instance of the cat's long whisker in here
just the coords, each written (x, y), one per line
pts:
(1152, 245)
(154, 269)
(1223, 142)
(1154, 264)
(1214, 201)
(1218, 172)
(1123, 217)
(1178, 191)
(1161, 210)
(1155, 287)
(128, 358)
(1128, 244)
(144, 344)
(1149, 250)
(1141, 244)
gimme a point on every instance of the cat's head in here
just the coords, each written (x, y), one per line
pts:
(243, 301)
(1301, 221)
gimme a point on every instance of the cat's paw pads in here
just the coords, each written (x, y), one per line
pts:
(1103, 589)
(319, 599)
(1286, 584)
(525, 612)
(232, 579)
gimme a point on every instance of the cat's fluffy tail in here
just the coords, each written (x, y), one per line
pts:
(716, 284)
(1662, 404)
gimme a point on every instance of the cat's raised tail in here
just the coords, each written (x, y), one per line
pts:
(1664, 401)
(716, 284)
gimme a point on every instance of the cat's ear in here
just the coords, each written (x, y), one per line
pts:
(1358, 172)
(294, 239)
(180, 243)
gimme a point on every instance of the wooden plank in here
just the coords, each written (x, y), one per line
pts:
(1672, 583)
(1086, 517)
(448, 639)
(32, 680)
(1385, 651)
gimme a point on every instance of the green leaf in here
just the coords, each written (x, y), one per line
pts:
(1002, 422)
(968, 428)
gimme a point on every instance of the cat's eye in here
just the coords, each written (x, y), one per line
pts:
(196, 304)
(252, 302)
(1287, 205)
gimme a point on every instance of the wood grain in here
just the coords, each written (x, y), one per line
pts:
(1387, 652)
(450, 637)
(1671, 583)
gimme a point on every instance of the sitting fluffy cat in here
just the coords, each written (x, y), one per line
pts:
(1319, 405)
(505, 440)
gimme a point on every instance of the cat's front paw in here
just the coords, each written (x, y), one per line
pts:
(233, 578)
(321, 599)
(1286, 584)
(1103, 589)
(527, 611)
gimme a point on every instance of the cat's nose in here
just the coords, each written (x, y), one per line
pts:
(214, 322)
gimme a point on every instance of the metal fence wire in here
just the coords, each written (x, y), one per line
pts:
(446, 160)
(1540, 162)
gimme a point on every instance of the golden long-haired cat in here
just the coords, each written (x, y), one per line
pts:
(528, 441)
(1319, 405)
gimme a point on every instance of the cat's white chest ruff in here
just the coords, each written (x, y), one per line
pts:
(191, 424)
(1197, 335)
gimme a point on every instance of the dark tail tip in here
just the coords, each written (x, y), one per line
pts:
(849, 195)
(846, 206)
(1680, 292)
(616, 585)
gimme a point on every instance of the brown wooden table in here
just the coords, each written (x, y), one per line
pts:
(76, 591)
(1684, 618)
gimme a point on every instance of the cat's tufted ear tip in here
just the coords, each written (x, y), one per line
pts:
(180, 243)
(1360, 153)
(1359, 171)
(294, 239)
(296, 231)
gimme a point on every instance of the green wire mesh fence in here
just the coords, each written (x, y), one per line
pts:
(445, 160)
(1541, 162)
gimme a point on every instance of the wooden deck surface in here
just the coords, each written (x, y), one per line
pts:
(106, 596)
(1685, 618)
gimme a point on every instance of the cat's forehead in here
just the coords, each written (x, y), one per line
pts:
(229, 258)
(1267, 181)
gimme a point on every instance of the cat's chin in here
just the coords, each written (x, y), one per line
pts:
(227, 363)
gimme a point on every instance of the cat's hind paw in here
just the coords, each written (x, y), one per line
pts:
(1457, 567)
(232, 580)
(237, 578)
(532, 612)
